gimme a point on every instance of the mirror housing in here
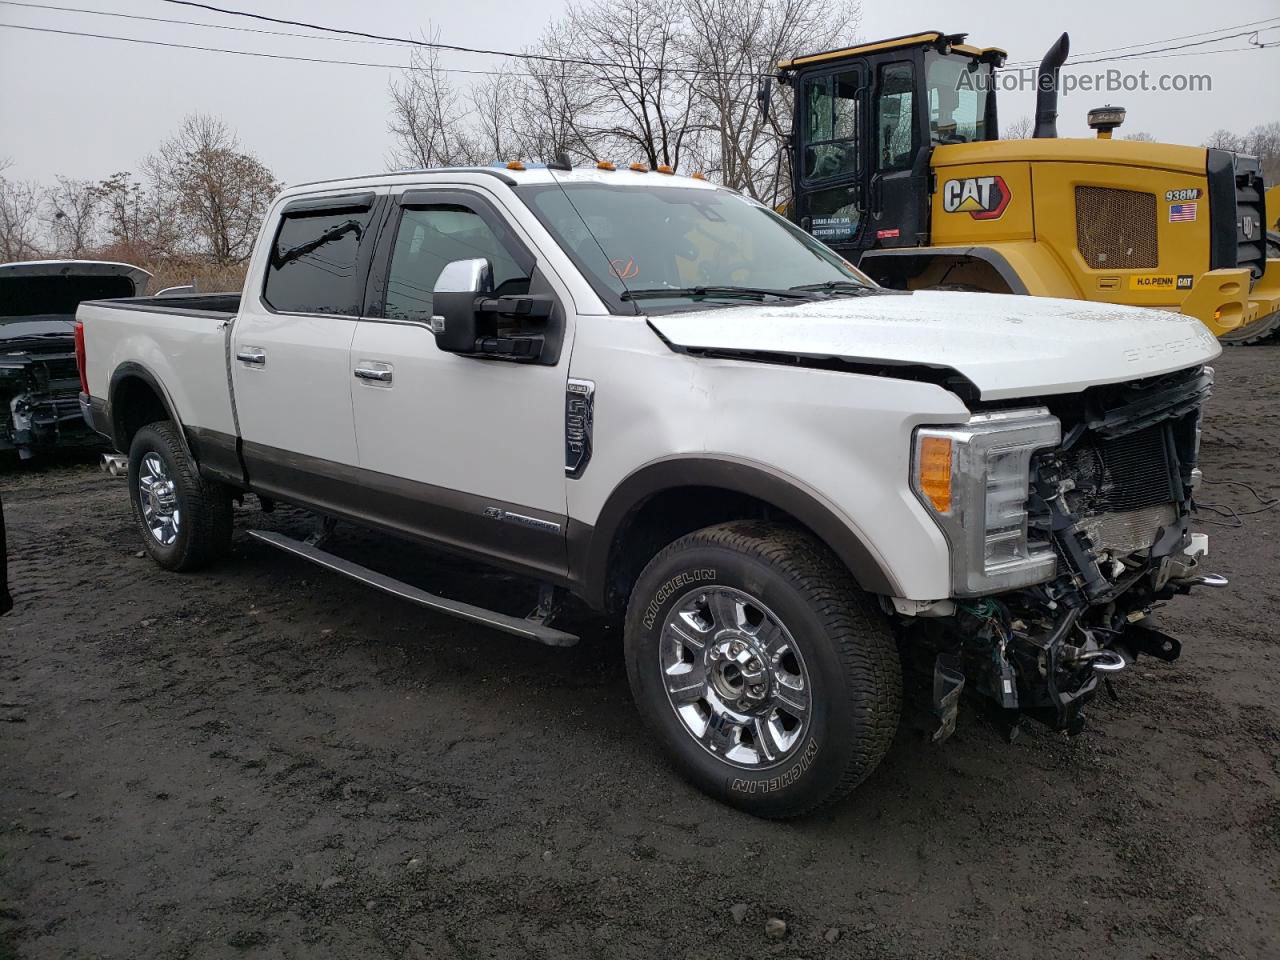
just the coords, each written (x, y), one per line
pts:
(454, 320)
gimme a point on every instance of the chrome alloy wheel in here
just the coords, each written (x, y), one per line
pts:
(735, 677)
(158, 496)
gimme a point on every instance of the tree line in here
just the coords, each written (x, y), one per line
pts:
(200, 196)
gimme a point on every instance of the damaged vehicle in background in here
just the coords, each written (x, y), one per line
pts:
(39, 385)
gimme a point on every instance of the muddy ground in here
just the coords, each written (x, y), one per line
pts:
(267, 761)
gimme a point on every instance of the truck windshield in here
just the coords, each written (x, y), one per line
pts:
(958, 88)
(677, 248)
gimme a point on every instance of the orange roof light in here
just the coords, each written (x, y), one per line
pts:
(639, 168)
(698, 176)
(934, 467)
(515, 165)
(663, 168)
(605, 165)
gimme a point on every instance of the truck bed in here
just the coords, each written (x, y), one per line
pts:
(176, 344)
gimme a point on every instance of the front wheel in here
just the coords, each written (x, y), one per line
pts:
(770, 678)
(185, 520)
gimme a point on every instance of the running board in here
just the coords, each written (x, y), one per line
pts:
(529, 629)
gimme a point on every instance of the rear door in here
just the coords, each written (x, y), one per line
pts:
(461, 450)
(291, 344)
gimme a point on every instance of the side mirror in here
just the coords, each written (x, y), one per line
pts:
(454, 321)
(764, 96)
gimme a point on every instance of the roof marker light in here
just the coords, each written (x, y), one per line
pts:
(663, 168)
(515, 165)
(639, 168)
(605, 165)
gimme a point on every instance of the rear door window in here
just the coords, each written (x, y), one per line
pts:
(316, 264)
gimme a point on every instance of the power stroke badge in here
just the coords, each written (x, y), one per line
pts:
(983, 198)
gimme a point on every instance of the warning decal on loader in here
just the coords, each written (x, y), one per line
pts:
(983, 198)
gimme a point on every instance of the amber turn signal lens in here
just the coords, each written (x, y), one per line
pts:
(935, 472)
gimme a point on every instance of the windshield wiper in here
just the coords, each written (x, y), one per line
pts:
(837, 286)
(754, 293)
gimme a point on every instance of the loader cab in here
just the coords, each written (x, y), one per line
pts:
(865, 120)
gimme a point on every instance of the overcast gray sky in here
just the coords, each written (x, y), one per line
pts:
(88, 107)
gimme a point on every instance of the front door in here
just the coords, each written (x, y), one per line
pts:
(831, 200)
(464, 451)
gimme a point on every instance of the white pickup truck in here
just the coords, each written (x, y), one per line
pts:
(661, 397)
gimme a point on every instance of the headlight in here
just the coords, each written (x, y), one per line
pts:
(974, 480)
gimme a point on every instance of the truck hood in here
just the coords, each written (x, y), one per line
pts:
(1007, 346)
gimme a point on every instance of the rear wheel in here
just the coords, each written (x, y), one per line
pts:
(769, 677)
(185, 520)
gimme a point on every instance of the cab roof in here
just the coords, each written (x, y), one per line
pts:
(927, 38)
(517, 175)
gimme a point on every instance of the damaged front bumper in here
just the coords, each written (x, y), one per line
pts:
(1112, 503)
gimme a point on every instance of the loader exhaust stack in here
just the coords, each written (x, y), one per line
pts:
(1047, 88)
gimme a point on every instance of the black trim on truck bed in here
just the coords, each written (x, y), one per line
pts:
(220, 306)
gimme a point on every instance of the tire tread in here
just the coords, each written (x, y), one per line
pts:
(854, 624)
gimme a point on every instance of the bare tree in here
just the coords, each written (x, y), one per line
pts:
(1223, 140)
(1263, 142)
(219, 191)
(70, 211)
(734, 45)
(643, 101)
(139, 224)
(19, 218)
(429, 126)
(552, 109)
(1020, 129)
(1140, 135)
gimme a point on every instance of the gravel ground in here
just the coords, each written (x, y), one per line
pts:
(264, 760)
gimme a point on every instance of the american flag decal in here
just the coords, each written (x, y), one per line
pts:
(1180, 212)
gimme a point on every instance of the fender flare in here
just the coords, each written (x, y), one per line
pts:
(993, 258)
(590, 546)
(133, 370)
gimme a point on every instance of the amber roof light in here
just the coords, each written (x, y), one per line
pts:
(605, 165)
(515, 165)
(639, 168)
(663, 168)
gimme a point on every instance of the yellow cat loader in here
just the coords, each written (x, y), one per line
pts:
(897, 165)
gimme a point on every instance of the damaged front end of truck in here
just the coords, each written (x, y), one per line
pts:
(1069, 521)
(39, 379)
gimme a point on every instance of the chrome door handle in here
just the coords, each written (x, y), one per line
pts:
(252, 355)
(369, 373)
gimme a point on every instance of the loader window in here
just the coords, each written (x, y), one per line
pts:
(832, 116)
(895, 119)
(958, 88)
